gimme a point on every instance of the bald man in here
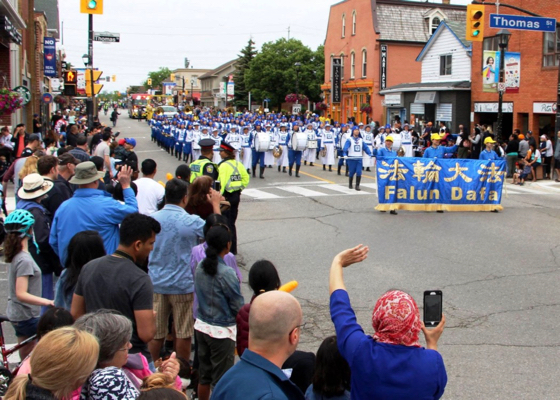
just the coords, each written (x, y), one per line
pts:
(275, 321)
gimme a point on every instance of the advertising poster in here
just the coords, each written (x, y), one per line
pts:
(49, 48)
(490, 71)
(512, 71)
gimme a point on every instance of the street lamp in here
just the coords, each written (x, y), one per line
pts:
(503, 37)
(192, 98)
(85, 59)
(297, 65)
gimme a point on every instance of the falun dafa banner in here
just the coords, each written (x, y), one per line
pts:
(434, 184)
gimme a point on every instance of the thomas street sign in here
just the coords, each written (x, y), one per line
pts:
(107, 37)
(538, 24)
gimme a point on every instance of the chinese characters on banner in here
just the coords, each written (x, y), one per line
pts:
(491, 71)
(426, 184)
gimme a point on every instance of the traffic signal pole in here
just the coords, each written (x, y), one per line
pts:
(90, 102)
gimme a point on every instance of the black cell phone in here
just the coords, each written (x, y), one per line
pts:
(433, 307)
(217, 186)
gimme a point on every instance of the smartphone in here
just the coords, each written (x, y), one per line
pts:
(433, 308)
(217, 186)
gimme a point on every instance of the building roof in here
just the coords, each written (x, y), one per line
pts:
(428, 86)
(215, 72)
(50, 8)
(405, 21)
(457, 28)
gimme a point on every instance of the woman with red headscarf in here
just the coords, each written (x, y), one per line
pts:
(391, 364)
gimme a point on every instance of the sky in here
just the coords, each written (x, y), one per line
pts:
(162, 33)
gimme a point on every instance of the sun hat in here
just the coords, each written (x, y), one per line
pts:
(489, 140)
(34, 185)
(85, 173)
(436, 136)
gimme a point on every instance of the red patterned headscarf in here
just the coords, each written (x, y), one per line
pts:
(396, 319)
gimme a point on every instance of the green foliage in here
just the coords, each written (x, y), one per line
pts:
(157, 77)
(243, 64)
(272, 73)
(110, 96)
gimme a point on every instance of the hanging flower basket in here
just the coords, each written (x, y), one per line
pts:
(9, 101)
(321, 106)
(365, 108)
(291, 98)
(60, 100)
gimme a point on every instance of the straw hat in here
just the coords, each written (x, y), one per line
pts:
(34, 186)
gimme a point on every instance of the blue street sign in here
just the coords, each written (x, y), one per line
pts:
(538, 24)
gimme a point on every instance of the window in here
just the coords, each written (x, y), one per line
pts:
(445, 64)
(342, 65)
(435, 23)
(364, 63)
(353, 23)
(551, 48)
(491, 43)
(343, 25)
(352, 64)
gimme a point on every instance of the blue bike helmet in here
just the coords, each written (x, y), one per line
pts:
(19, 221)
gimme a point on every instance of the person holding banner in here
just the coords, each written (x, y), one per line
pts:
(387, 151)
(353, 150)
(488, 153)
(437, 151)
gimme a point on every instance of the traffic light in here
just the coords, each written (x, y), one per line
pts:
(114, 78)
(172, 77)
(93, 75)
(475, 22)
(70, 82)
(91, 6)
(149, 82)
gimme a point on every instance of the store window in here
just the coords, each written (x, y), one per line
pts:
(551, 48)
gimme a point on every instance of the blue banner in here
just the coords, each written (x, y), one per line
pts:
(433, 184)
(49, 49)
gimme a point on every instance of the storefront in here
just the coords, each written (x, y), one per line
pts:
(487, 114)
(396, 111)
(545, 117)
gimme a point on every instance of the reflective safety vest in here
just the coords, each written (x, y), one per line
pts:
(233, 176)
(202, 167)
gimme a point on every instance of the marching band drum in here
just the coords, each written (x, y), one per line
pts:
(299, 141)
(262, 141)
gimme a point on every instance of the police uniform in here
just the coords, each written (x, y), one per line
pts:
(234, 178)
(204, 165)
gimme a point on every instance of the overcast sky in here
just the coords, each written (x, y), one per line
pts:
(209, 33)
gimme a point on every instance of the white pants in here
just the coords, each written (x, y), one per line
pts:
(269, 158)
(329, 158)
(195, 154)
(310, 155)
(367, 160)
(283, 160)
(247, 157)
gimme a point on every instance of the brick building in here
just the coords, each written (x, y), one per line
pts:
(534, 106)
(378, 41)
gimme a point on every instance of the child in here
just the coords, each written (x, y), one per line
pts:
(23, 305)
(524, 172)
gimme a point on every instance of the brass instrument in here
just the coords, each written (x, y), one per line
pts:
(277, 151)
(401, 152)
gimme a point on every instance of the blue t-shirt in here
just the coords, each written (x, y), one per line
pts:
(488, 155)
(170, 260)
(380, 370)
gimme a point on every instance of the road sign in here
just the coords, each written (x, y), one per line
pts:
(107, 37)
(47, 98)
(501, 87)
(296, 108)
(24, 93)
(538, 24)
(96, 75)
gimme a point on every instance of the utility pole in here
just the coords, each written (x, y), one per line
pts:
(90, 105)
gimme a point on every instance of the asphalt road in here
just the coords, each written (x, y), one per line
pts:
(499, 273)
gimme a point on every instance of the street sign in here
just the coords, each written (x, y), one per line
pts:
(501, 87)
(47, 98)
(296, 108)
(538, 24)
(24, 93)
(107, 37)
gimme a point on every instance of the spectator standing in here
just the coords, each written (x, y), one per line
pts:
(392, 364)
(150, 193)
(512, 152)
(72, 135)
(169, 268)
(102, 150)
(90, 209)
(547, 154)
(6, 144)
(47, 167)
(34, 189)
(129, 145)
(274, 329)
(126, 287)
(523, 146)
(557, 158)
(198, 202)
(20, 139)
(80, 151)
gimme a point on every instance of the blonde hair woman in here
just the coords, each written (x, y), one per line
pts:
(60, 363)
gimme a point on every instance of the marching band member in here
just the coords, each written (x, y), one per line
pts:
(435, 150)
(310, 153)
(187, 146)
(283, 144)
(368, 141)
(353, 150)
(234, 139)
(294, 155)
(269, 159)
(327, 143)
(341, 139)
(258, 156)
(406, 136)
(195, 134)
(217, 142)
(246, 147)
(180, 142)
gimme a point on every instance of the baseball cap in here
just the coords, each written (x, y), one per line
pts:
(68, 158)
(130, 141)
(34, 137)
(122, 141)
(436, 136)
(489, 140)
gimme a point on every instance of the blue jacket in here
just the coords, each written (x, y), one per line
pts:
(219, 296)
(488, 155)
(439, 152)
(90, 209)
(254, 377)
(383, 370)
(384, 152)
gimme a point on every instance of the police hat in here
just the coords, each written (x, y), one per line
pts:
(206, 143)
(227, 147)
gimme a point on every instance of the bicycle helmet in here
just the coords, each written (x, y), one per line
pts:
(19, 221)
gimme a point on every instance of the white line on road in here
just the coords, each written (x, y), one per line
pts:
(259, 194)
(302, 191)
(342, 189)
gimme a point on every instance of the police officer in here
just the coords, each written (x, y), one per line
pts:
(204, 165)
(234, 178)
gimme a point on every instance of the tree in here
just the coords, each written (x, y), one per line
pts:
(247, 55)
(157, 77)
(272, 73)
